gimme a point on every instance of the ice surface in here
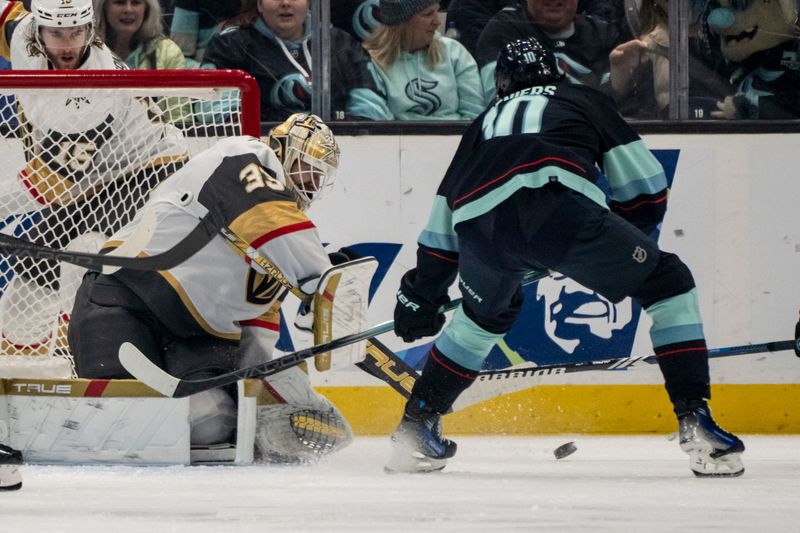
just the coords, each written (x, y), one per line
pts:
(619, 483)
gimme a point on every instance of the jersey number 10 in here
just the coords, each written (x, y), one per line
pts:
(517, 116)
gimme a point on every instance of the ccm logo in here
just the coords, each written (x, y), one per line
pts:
(40, 388)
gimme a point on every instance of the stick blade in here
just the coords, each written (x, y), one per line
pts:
(146, 371)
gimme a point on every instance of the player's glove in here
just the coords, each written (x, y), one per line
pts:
(343, 255)
(414, 315)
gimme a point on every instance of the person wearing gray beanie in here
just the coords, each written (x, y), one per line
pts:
(394, 12)
(424, 75)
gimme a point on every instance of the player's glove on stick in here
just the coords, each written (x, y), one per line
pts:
(416, 316)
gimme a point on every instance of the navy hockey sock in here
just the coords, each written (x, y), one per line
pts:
(442, 381)
(685, 369)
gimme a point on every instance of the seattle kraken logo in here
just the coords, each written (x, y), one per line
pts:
(292, 92)
(420, 92)
(574, 71)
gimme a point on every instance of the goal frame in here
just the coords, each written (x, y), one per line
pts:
(201, 84)
(139, 79)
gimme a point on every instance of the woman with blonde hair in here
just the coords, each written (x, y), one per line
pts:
(133, 30)
(426, 75)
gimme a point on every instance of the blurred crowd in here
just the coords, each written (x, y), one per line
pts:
(434, 60)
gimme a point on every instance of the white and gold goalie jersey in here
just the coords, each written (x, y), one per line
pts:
(77, 141)
(218, 291)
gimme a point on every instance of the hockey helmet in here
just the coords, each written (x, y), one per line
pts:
(304, 139)
(524, 63)
(62, 13)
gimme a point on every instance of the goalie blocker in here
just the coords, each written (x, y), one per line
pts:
(339, 308)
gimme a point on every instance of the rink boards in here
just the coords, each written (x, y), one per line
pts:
(731, 217)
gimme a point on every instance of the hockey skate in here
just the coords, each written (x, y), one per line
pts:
(417, 443)
(10, 460)
(713, 452)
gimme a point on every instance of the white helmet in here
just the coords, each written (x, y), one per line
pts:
(62, 13)
(306, 138)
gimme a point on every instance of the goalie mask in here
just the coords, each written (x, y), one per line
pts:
(309, 153)
(524, 63)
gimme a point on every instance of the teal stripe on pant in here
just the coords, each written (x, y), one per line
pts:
(676, 319)
(465, 342)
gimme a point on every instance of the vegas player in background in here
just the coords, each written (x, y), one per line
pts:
(218, 311)
(90, 161)
(520, 195)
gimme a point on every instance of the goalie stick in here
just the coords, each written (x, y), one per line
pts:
(187, 247)
(152, 375)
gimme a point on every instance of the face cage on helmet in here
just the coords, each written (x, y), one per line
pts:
(326, 173)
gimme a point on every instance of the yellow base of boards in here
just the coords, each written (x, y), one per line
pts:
(590, 409)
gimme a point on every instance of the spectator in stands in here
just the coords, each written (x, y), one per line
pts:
(270, 40)
(133, 30)
(195, 22)
(581, 43)
(467, 18)
(640, 67)
(357, 17)
(425, 75)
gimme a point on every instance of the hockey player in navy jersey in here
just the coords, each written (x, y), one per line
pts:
(521, 195)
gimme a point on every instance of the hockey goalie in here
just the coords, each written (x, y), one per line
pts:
(90, 160)
(219, 310)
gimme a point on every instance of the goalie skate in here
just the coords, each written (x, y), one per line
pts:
(713, 452)
(418, 445)
(10, 460)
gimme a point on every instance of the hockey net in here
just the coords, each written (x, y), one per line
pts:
(80, 153)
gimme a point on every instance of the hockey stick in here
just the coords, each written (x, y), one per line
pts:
(187, 247)
(151, 375)
(387, 366)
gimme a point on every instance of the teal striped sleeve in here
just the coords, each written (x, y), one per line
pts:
(632, 171)
(439, 232)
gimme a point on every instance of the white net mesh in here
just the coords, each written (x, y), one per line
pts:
(79, 159)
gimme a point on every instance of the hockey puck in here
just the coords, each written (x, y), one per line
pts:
(565, 450)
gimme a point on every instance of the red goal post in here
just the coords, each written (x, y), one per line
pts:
(80, 151)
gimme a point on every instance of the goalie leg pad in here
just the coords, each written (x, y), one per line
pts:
(295, 424)
(212, 417)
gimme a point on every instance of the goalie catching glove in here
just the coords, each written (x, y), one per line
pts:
(295, 424)
(416, 316)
